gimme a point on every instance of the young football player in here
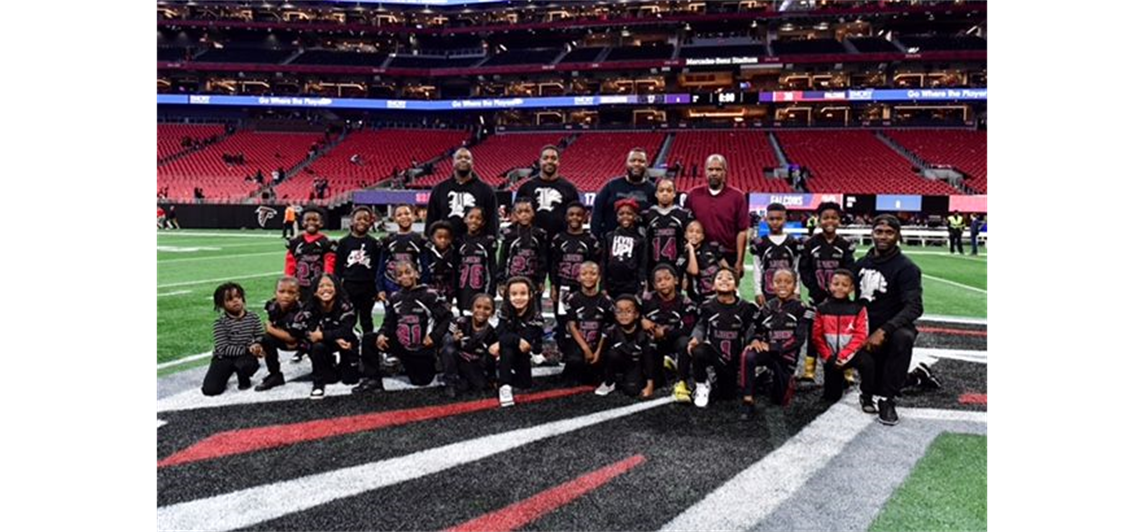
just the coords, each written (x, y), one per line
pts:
(520, 330)
(624, 265)
(476, 255)
(465, 357)
(330, 340)
(666, 223)
(774, 252)
(822, 254)
(778, 333)
(668, 316)
(589, 313)
(719, 337)
(402, 246)
(310, 254)
(283, 330)
(627, 352)
(236, 334)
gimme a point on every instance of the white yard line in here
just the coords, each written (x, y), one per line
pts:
(978, 357)
(161, 423)
(183, 360)
(220, 280)
(219, 235)
(175, 293)
(281, 252)
(954, 319)
(954, 283)
(943, 415)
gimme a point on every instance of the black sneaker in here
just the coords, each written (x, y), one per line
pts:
(867, 403)
(746, 411)
(272, 380)
(297, 358)
(368, 385)
(927, 377)
(244, 383)
(887, 414)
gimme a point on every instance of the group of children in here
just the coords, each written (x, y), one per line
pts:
(653, 304)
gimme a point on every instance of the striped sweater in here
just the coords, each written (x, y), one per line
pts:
(234, 336)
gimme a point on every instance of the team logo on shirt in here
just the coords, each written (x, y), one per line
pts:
(623, 246)
(871, 282)
(548, 198)
(458, 202)
(359, 256)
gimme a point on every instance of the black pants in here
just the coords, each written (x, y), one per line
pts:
(370, 357)
(576, 368)
(632, 372)
(287, 228)
(973, 242)
(362, 295)
(834, 377)
(704, 356)
(328, 370)
(420, 365)
(223, 367)
(674, 345)
(683, 364)
(884, 374)
(782, 366)
(563, 338)
(807, 348)
(732, 257)
(461, 371)
(955, 240)
(270, 347)
(514, 366)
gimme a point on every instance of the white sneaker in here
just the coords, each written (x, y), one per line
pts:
(317, 393)
(506, 396)
(538, 360)
(702, 394)
(605, 389)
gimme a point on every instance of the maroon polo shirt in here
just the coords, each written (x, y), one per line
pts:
(722, 216)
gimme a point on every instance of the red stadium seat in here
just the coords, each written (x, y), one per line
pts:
(855, 162)
(963, 150)
(748, 154)
(206, 169)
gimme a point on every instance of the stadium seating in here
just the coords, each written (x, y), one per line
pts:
(243, 55)
(663, 51)
(524, 57)
(594, 158)
(582, 55)
(381, 151)
(963, 150)
(172, 54)
(809, 46)
(206, 169)
(748, 154)
(497, 155)
(855, 162)
(740, 50)
(412, 61)
(929, 44)
(873, 45)
(168, 137)
(329, 57)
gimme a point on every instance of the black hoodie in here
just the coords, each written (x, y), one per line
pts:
(604, 218)
(890, 286)
(450, 200)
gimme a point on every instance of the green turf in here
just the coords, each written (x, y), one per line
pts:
(254, 259)
(183, 367)
(968, 271)
(945, 491)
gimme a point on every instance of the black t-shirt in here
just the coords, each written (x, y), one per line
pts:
(450, 200)
(358, 259)
(624, 265)
(550, 200)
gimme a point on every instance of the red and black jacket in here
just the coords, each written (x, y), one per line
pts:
(840, 329)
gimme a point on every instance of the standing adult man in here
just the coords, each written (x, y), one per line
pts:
(550, 193)
(975, 223)
(722, 209)
(890, 286)
(452, 198)
(956, 226)
(635, 184)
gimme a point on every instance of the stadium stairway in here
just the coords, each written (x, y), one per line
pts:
(779, 153)
(661, 158)
(901, 150)
(918, 162)
(188, 151)
(291, 172)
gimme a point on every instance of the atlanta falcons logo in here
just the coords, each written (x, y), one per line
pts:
(265, 214)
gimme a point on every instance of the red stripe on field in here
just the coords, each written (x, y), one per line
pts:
(524, 512)
(959, 332)
(259, 438)
(972, 399)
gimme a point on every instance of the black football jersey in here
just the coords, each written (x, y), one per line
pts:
(398, 247)
(591, 314)
(411, 315)
(665, 237)
(725, 326)
(568, 252)
(819, 260)
(474, 343)
(309, 258)
(678, 314)
(524, 252)
(442, 266)
(771, 257)
(702, 286)
(476, 268)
